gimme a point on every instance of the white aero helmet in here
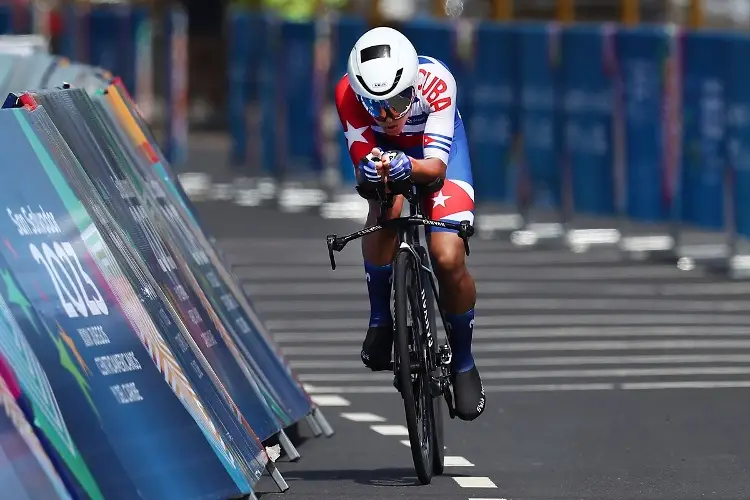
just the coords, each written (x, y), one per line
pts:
(383, 68)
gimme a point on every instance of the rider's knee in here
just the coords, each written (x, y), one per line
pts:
(447, 254)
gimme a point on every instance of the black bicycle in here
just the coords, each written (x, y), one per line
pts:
(421, 364)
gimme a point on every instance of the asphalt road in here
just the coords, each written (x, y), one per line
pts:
(605, 379)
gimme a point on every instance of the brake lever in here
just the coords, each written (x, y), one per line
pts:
(330, 241)
(467, 230)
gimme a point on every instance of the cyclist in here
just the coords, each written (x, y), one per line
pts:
(394, 101)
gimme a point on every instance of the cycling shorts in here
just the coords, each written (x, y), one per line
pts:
(454, 202)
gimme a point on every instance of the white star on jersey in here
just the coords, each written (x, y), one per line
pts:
(440, 199)
(354, 134)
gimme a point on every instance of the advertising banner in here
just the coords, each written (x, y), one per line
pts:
(299, 121)
(72, 112)
(157, 306)
(704, 147)
(26, 470)
(540, 59)
(109, 391)
(165, 176)
(109, 42)
(588, 144)
(145, 170)
(738, 131)
(493, 126)
(641, 54)
(240, 46)
(271, 100)
(176, 90)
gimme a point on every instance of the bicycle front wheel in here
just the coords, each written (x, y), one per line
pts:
(411, 363)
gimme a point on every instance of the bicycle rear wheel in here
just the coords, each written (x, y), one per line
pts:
(411, 365)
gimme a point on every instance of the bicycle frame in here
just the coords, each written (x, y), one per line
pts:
(408, 239)
(405, 225)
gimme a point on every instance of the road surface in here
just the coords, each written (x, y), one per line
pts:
(605, 379)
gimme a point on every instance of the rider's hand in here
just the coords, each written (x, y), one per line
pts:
(371, 166)
(398, 164)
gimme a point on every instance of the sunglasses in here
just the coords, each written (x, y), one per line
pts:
(395, 107)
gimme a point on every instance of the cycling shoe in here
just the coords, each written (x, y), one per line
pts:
(377, 348)
(468, 394)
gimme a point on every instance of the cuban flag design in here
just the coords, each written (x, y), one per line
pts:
(454, 203)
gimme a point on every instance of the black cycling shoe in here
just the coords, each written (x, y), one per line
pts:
(377, 348)
(468, 394)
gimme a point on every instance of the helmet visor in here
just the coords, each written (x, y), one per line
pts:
(395, 107)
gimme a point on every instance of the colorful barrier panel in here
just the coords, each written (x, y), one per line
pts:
(131, 428)
(132, 270)
(26, 467)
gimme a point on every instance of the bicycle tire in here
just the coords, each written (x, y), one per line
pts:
(438, 462)
(405, 278)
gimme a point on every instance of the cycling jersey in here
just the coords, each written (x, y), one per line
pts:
(433, 129)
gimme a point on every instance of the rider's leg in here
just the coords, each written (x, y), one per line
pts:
(458, 293)
(378, 250)
(455, 202)
(457, 297)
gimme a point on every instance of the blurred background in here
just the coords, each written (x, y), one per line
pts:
(252, 80)
(209, 29)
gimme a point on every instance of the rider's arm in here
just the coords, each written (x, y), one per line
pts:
(427, 170)
(355, 122)
(440, 96)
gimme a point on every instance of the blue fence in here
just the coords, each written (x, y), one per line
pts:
(565, 123)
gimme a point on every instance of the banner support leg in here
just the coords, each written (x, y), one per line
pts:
(277, 477)
(288, 447)
(321, 420)
(314, 427)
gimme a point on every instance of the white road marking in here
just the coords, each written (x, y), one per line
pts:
(329, 400)
(388, 389)
(688, 384)
(490, 319)
(548, 361)
(474, 482)
(509, 287)
(406, 443)
(390, 430)
(592, 345)
(520, 304)
(512, 333)
(362, 417)
(457, 462)
(531, 374)
(493, 271)
(488, 255)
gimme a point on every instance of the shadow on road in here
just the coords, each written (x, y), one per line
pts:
(395, 477)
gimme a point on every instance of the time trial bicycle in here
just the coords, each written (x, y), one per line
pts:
(421, 366)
